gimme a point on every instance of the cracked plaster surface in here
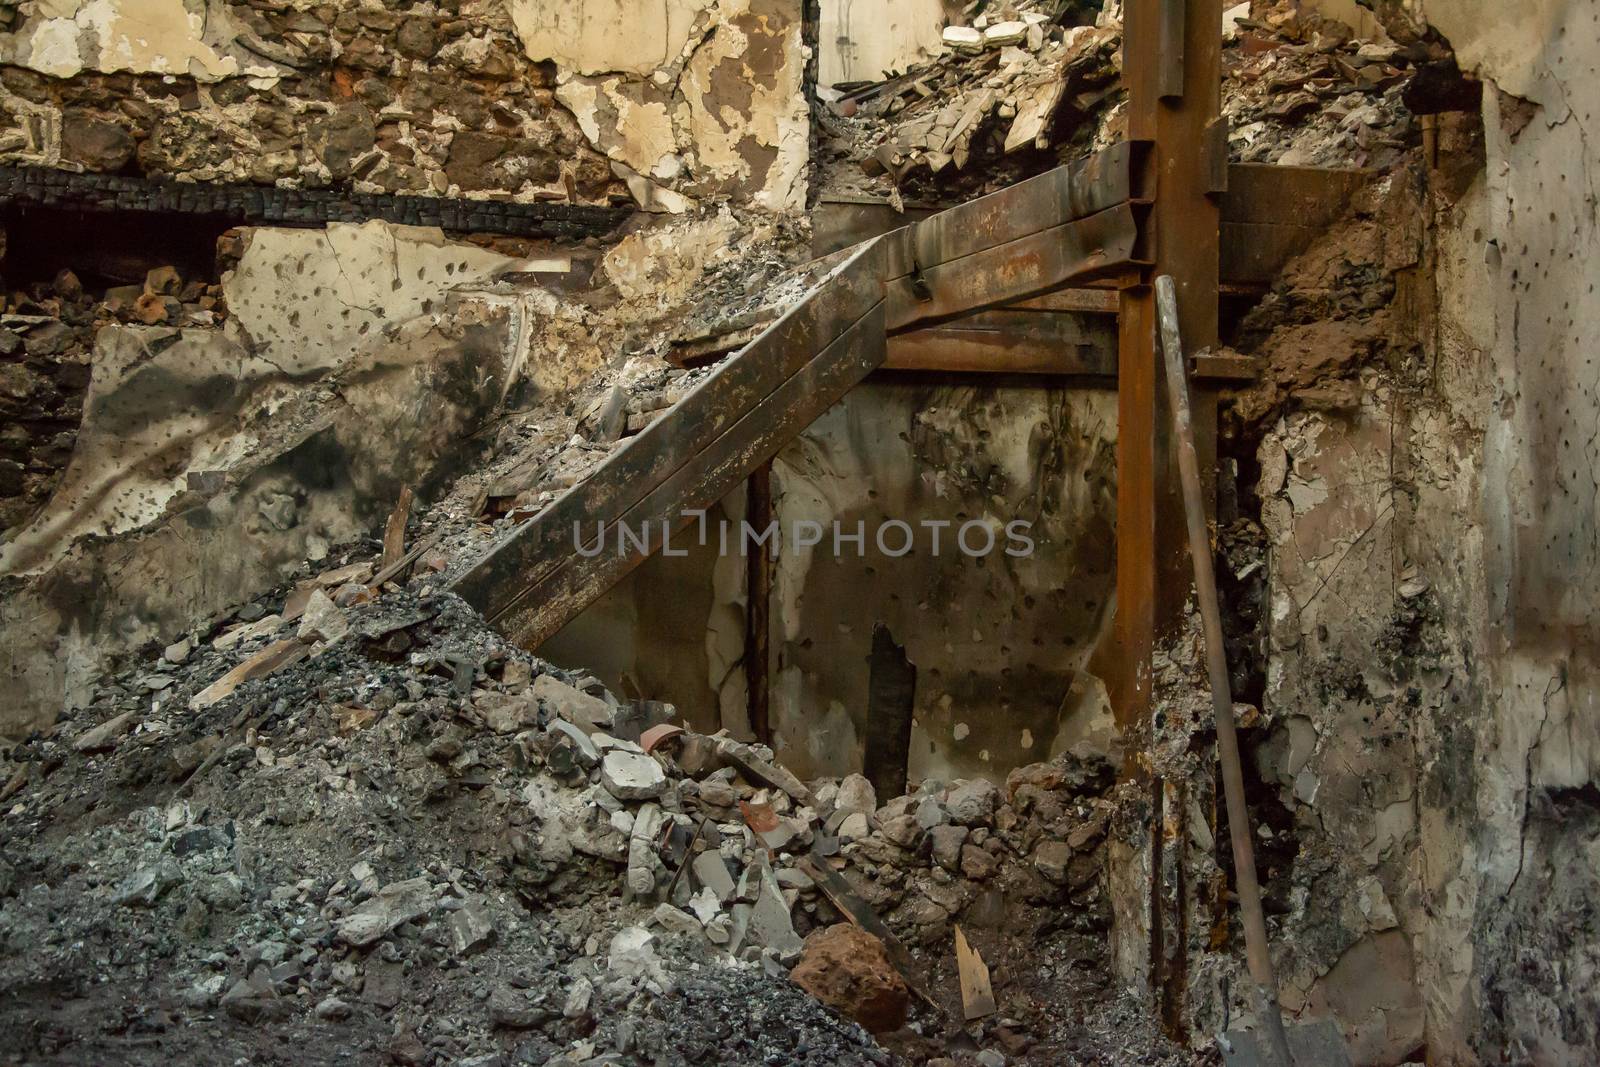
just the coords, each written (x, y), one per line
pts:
(688, 100)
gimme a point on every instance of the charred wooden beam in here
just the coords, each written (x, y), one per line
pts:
(265, 205)
(891, 702)
(1103, 243)
(758, 604)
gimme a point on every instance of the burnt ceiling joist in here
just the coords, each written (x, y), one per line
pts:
(269, 206)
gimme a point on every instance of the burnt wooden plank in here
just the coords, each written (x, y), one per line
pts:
(510, 570)
(707, 478)
(758, 604)
(1017, 270)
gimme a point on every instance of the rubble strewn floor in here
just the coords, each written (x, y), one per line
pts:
(419, 845)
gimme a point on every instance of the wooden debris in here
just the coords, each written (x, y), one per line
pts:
(394, 531)
(354, 572)
(393, 570)
(756, 769)
(977, 996)
(15, 784)
(274, 657)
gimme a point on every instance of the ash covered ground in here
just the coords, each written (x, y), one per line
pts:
(414, 844)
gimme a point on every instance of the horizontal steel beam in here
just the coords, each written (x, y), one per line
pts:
(1103, 243)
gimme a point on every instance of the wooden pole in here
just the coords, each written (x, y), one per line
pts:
(1258, 952)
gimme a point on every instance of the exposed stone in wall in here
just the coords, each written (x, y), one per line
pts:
(673, 101)
(44, 369)
(419, 99)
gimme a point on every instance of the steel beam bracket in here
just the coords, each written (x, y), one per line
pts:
(1216, 156)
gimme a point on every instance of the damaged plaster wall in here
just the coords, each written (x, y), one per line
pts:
(693, 99)
(1433, 525)
(555, 100)
(998, 687)
(1516, 957)
(867, 40)
(212, 463)
(1001, 643)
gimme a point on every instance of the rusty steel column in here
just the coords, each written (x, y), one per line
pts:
(1172, 66)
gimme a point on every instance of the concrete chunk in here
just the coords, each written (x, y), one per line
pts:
(632, 776)
(575, 706)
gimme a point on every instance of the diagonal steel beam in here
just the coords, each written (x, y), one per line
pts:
(707, 478)
(509, 572)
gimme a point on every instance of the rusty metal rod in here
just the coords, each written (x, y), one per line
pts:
(1258, 953)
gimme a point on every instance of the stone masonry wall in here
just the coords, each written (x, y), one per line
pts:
(552, 100)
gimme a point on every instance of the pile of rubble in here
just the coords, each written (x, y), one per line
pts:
(1021, 79)
(360, 818)
(1301, 90)
(1029, 85)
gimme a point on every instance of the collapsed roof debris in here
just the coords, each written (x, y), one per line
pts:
(1036, 85)
(1024, 80)
(368, 827)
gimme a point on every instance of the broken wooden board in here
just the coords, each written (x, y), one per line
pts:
(394, 531)
(977, 995)
(274, 657)
(393, 570)
(833, 886)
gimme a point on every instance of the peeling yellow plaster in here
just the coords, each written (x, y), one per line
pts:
(692, 98)
(143, 36)
(599, 36)
(635, 132)
(775, 118)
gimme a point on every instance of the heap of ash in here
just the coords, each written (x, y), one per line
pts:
(416, 844)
